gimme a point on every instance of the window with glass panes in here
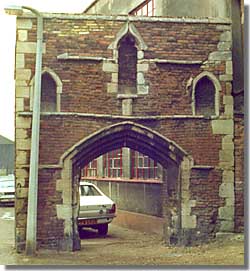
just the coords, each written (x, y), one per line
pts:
(91, 169)
(142, 166)
(112, 163)
(145, 9)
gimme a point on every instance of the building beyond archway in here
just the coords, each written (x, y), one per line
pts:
(175, 199)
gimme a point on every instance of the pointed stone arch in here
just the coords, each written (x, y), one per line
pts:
(178, 219)
(217, 87)
(59, 86)
(111, 66)
(129, 28)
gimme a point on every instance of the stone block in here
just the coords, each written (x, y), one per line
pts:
(20, 182)
(226, 190)
(20, 205)
(110, 67)
(22, 192)
(21, 133)
(23, 144)
(229, 111)
(28, 47)
(19, 105)
(22, 92)
(20, 62)
(228, 146)
(143, 67)
(228, 176)
(140, 54)
(22, 35)
(228, 139)
(21, 158)
(64, 211)
(220, 127)
(23, 123)
(229, 67)
(112, 88)
(127, 107)
(23, 74)
(220, 56)
(59, 185)
(24, 24)
(230, 201)
(226, 213)
(228, 88)
(223, 27)
(21, 83)
(142, 89)
(224, 46)
(228, 99)
(226, 155)
(226, 77)
(115, 77)
(21, 173)
(226, 36)
(188, 222)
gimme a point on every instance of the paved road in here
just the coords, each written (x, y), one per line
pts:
(121, 247)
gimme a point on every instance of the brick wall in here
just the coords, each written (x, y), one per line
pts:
(76, 49)
(84, 82)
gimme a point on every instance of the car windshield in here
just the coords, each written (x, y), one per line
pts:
(89, 190)
(6, 184)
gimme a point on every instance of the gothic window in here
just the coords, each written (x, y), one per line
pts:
(127, 76)
(48, 94)
(205, 97)
(51, 90)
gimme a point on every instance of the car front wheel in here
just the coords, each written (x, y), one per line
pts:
(103, 229)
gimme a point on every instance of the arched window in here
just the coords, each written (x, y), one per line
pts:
(127, 60)
(48, 94)
(51, 90)
(205, 97)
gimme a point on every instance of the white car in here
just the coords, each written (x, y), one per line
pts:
(7, 189)
(96, 209)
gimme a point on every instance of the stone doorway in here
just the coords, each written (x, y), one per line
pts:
(175, 188)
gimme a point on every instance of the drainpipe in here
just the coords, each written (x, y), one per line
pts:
(31, 228)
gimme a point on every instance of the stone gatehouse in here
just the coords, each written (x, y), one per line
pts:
(161, 86)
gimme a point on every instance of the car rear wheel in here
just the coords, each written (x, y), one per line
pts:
(103, 229)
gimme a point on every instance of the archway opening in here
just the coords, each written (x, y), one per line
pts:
(144, 141)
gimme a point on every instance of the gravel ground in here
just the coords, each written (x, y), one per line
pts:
(123, 247)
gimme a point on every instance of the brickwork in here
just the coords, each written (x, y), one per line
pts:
(207, 203)
(239, 172)
(81, 55)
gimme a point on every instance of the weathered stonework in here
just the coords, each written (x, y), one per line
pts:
(159, 117)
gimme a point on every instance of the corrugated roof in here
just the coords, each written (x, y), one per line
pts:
(5, 141)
